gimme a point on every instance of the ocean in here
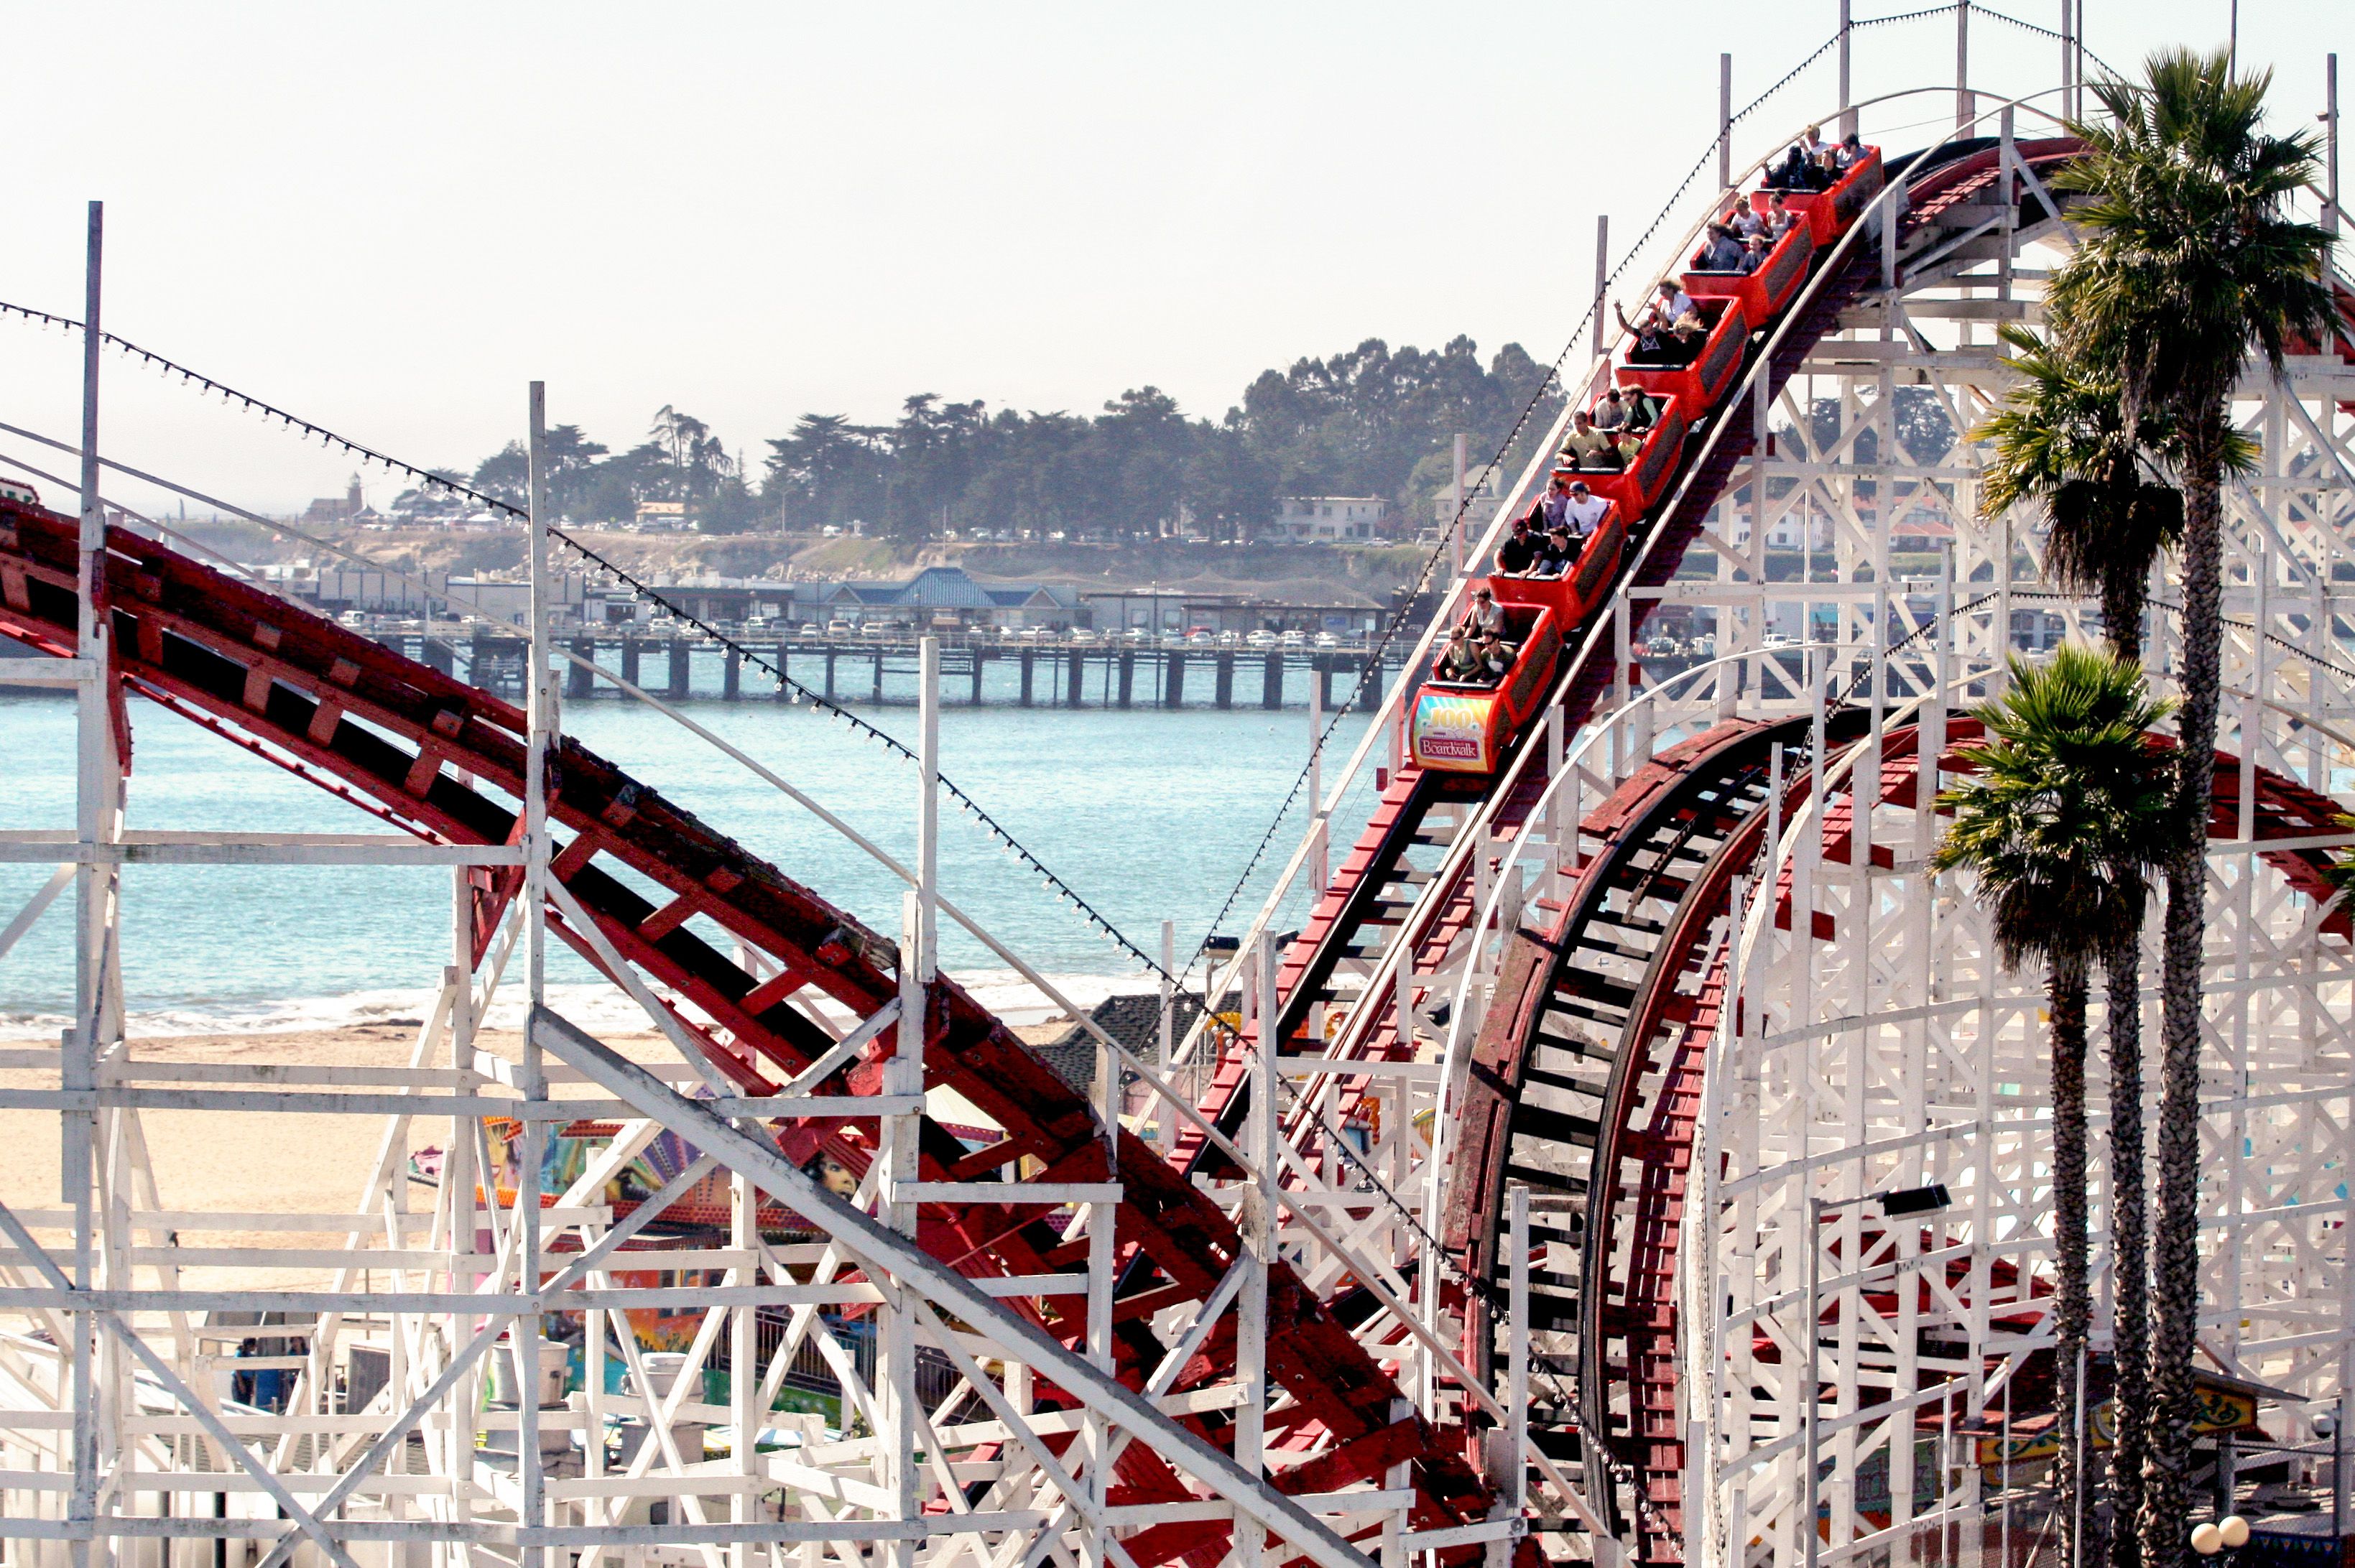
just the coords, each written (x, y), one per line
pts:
(1151, 815)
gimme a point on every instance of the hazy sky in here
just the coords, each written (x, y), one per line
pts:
(389, 218)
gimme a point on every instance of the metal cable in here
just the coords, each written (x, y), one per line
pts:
(2048, 33)
(972, 807)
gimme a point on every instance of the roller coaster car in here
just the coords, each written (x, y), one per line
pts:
(1770, 288)
(1468, 727)
(1699, 381)
(1637, 487)
(1831, 212)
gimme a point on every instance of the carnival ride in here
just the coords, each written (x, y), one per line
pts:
(1474, 1226)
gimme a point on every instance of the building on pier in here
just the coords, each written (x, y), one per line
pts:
(948, 594)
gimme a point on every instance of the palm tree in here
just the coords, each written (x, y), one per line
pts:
(2068, 802)
(2190, 262)
(2061, 440)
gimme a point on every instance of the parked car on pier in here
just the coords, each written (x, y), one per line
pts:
(1261, 639)
(840, 629)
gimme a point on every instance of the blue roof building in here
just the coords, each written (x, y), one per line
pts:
(947, 594)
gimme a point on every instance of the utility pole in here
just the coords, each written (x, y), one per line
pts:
(97, 783)
(1455, 515)
(2068, 60)
(540, 726)
(2330, 143)
(1724, 123)
(1602, 274)
(1962, 64)
(1847, 96)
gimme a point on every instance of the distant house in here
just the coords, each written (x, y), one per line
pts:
(1328, 519)
(336, 508)
(661, 515)
(1483, 494)
(1922, 529)
(946, 594)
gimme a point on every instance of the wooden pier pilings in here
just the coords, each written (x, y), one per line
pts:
(1023, 674)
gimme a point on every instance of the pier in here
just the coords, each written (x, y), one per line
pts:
(871, 671)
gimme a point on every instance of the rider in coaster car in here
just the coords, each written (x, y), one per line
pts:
(1660, 331)
(1486, 617)
(1720, 250)
(1547, 512)
(1519, 551)
(1643, 409)
(1583, 512)
(1457, 662)
(1560, 551)
(1588, 447)
(1779, 217)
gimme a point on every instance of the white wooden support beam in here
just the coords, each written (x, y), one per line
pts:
(879, 1247)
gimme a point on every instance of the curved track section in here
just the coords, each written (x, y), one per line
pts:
(1583, 1083)
(1585, 1080)
(435, 757)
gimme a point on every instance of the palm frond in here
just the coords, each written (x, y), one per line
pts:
(2068, 810)
(2191, 261)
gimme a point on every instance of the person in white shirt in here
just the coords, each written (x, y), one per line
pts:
(1744, 222)
(1813, 144)
(1584, 511)
(1671, 302)
(1779, 218)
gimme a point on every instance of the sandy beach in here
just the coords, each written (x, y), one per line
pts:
(254, 1163)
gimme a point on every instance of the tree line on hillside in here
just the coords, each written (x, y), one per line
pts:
(1372, 421)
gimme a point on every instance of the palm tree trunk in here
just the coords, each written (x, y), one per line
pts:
(2065, 1000)
(2125, 599)
(2175, 1261)
(2129, 1243)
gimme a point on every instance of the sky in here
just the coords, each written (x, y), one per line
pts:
(389, 219)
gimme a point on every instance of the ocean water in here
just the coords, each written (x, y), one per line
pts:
(1151, 815)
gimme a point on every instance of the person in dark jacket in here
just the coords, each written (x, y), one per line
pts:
(1518, 552)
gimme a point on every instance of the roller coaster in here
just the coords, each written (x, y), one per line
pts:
(1467, 1218)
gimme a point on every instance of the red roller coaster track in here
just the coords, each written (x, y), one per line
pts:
(433, 755)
